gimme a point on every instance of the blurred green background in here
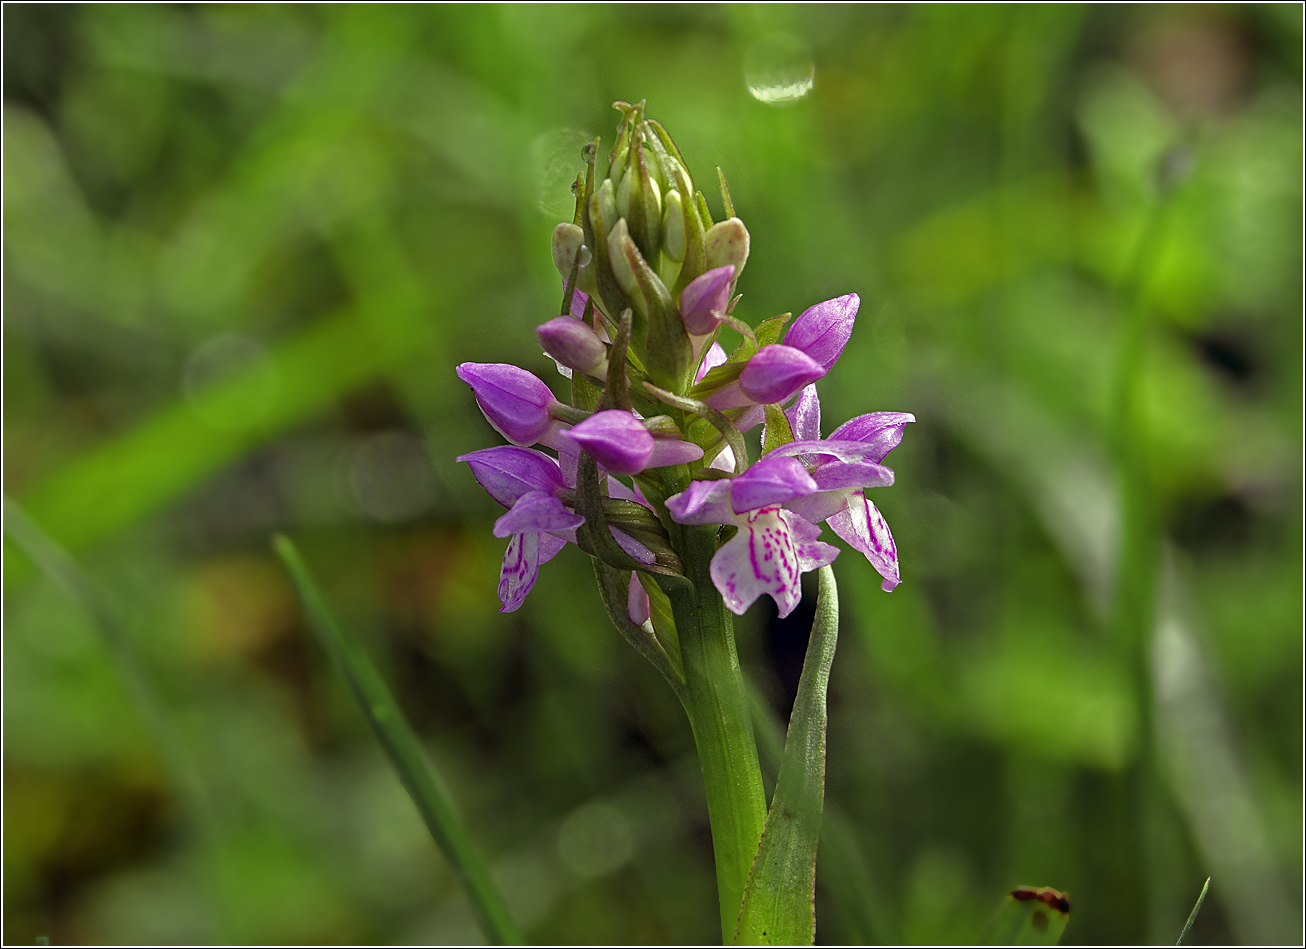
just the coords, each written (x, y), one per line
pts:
(244, 248)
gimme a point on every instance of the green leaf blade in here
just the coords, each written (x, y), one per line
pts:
(779, 902)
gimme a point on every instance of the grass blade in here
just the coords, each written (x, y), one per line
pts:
(779, 902)
(405, 752)
(1197, 908)
(1029, 916)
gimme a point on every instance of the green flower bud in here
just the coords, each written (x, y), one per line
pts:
(568, 242)
(623, 194)
(727, 243)
(673, 227)
(622, 269)
(608, 212)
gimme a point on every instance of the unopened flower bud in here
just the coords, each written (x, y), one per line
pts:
(607, 205)
(618, 441)
(727, 243)
(673, 227)
(823, 330)
(572, 343)
(776, 372)
(618, 238)
(623, 192)
(568, 241)
(703, 302)
(514, 401)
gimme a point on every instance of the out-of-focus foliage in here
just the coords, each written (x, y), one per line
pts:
(244, 248)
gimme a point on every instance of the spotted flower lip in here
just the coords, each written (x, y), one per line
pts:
(769, 554)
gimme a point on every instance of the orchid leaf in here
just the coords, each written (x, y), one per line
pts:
(1029, 916)
(848, 878)
(779, 901)
(405, 752)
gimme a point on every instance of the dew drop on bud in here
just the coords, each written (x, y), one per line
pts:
(585, 255)
(588, 151)
(575, 187)
(779, 70)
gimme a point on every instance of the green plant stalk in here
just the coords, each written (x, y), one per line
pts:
(405, 753)
(717, 702)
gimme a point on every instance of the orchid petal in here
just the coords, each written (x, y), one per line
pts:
(812, 553)
(715, 356)
(841, 449)
(632, 547)
(805, 415)
(729, 396)
(863, 526)
(673, 451)
(770, 481)
(578, 301)
(823, 330)
(536, 512)
(703, 502)
(880, 430)
(638, 607)
(763, 558)
(507, 472)
(837, 475)
(819, 506)
(551, 545)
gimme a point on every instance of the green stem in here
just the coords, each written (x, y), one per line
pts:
(719, 716)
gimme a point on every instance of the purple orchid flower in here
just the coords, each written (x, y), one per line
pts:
(532, 486)
(773, 546)
(842, 467)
